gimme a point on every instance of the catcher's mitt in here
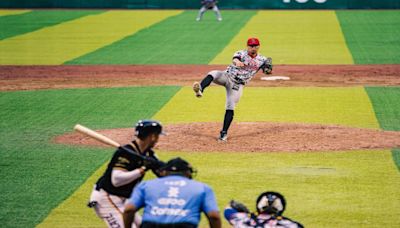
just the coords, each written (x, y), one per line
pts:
(240, 207)
(267, 66)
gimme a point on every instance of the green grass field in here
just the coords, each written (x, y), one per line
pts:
(20, 24)
(47, 185)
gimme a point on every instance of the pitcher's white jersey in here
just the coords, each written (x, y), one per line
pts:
(244, 74)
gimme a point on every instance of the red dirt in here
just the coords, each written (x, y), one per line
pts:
(202, 136)
(256, 137)
(59, 77)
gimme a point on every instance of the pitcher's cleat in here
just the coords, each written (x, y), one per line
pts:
(197, 89)
(223, 136)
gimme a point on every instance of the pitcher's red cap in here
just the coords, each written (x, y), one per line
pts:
(253, 42)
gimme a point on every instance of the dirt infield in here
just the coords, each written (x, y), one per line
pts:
(60, 77)
(256, 136)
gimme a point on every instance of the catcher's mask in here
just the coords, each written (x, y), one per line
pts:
(143, 128)
(179, 166)
(271, 203)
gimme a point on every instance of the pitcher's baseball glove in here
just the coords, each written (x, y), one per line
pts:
(267, 66)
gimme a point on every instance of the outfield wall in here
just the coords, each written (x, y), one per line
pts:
(192, 4)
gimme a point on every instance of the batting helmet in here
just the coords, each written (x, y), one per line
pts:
(271, 203)
(144, 128)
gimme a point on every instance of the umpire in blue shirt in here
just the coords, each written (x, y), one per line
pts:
(173, 200)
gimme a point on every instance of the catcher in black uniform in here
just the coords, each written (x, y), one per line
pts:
(126, 169)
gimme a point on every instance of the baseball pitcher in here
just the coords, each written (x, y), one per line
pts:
(245, 64)
(125, 170)
(209, 5)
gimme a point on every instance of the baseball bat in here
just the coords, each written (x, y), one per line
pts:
(103, 139)
(95, 135)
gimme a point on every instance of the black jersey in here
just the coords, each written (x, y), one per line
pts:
(124, 160)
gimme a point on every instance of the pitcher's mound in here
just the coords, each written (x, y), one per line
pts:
(255, 136)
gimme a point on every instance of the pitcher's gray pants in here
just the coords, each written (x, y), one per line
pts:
(233, 90)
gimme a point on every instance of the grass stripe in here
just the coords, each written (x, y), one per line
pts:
(14, 25)
(396, 157)
(177, 40)
(73, 211)
(386, 104)
(38, 175)
(12, 12)
(342, 106)
(372, 36)
(322, 184)
(293, 37)
(58, 44)
(385, 101)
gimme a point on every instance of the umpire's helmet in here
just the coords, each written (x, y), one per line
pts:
(271, 203)
(178, 165)
(144, 128)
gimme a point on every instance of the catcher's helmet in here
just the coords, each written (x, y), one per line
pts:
(271, 203)
(144, 128)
